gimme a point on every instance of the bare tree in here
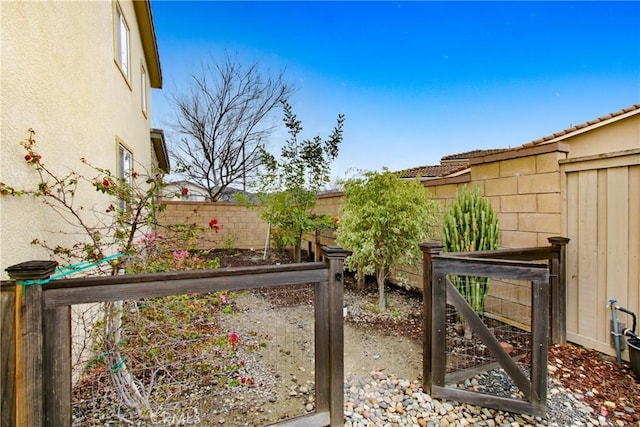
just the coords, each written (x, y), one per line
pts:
(223, 121)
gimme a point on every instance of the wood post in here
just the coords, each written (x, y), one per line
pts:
(559, 291)
(8, 350)
(539, 346)
(428, 251)
(29, 342)
(57, 365)
(335, 307)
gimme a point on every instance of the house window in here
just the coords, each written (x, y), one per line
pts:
(122, 42)
(125, 169)
(143, 90)
(125, 164)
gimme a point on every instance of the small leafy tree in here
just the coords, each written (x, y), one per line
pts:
(383, 219)
(290, 184)
(470, 224)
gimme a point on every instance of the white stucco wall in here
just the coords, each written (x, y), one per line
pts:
(58, 76)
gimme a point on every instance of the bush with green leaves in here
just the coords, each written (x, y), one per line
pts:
(470, 224)
(383, 219)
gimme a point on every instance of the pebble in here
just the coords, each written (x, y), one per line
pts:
(384, 400)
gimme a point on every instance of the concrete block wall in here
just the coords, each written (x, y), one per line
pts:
(524, 188)
(329, 204)
(240, 226)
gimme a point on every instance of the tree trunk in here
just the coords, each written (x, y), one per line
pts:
(360, 280)
(382, 305)
(468, 332)
(298, 249)
(127, 388)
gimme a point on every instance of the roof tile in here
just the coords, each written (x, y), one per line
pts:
(432, 171)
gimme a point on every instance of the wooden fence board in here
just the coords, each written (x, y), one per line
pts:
(29, 393)
(486, 400)
(321, 337)
(572, 250)
(336, 340)
(601, 200)
(617, 242)
(158, 285)
(587, 220)
(602, 330)
(539, 343)
(479, 267)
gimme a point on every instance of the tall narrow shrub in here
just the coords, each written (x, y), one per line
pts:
(470, 224)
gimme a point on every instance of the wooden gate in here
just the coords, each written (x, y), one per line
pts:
(501, 264)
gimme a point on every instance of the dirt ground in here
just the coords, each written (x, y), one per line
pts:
(283, 369)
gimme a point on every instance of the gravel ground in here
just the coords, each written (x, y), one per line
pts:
(382, 400)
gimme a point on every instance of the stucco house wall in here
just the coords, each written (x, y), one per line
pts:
(59, 76)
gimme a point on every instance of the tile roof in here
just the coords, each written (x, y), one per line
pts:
(601, 119)
(434, 171)
(473, 153)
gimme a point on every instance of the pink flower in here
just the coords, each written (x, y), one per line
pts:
(180, 255)
(233, 339)
(223, 298)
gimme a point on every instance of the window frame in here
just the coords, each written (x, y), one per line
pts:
(144, 91)
(122, 42)
(124, 166)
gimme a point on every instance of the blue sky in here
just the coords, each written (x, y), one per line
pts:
(416, 80)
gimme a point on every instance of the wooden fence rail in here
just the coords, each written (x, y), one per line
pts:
(38, 391)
